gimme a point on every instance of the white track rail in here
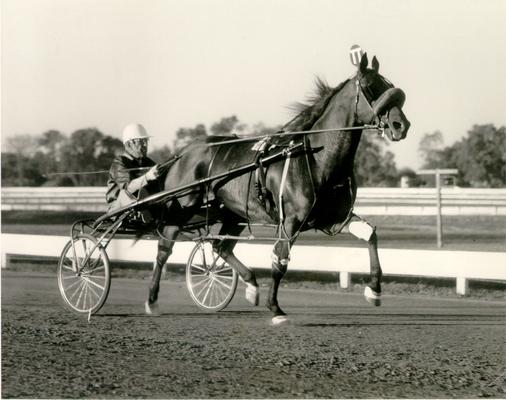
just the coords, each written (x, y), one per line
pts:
(370, 201)
(461, 265)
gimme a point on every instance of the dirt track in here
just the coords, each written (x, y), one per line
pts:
(337, 346)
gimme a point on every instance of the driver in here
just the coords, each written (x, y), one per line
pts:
(132, 175)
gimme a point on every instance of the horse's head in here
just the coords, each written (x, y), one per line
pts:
(378, 101)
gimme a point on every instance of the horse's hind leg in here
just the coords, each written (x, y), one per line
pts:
(165, 246)
(364, 231)
(225, 248)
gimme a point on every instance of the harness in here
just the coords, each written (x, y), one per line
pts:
(373, 120)
(263, 194)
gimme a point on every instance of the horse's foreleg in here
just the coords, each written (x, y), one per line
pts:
(364, 231)
(165, 246)
(280, 258)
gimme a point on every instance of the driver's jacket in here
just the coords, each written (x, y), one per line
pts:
(124, 169)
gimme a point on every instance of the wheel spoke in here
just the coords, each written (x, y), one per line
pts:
(202, 250)
(85, 297)
(207, 293)
(78, 281)
(93, 292)
(198, 267)
(100, 277)
(214, 300)
(81, 283)
(198, 275)
(83, 287)
(224, 269)
(85, 247)
(93, 269)
(84, 276)
(88, 280)
(96, 279)
(225, 273)
(211, 281)
(221, 293)
(68, 267)
(223, 284)
(90, 297)
(203, 287)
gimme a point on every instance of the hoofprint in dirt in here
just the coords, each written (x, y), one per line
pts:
(337, 346)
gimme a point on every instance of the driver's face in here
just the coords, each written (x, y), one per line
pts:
(137, 147)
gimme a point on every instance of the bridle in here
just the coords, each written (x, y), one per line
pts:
(367, 95)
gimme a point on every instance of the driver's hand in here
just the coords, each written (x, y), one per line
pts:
(153, 173)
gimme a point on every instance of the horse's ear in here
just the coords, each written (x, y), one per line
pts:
(375, 64)
(363, 63)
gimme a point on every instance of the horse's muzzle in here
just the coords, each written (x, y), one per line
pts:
(388, 109)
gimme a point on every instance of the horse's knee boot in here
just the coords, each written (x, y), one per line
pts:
(362, 230)
(279, 266)
(163, 254)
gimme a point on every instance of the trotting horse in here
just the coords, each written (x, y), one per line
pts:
(311, 189)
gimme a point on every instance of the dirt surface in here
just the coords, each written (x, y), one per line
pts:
(337, 346)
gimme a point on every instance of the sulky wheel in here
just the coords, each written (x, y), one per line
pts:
(210, 280)
(84, 277)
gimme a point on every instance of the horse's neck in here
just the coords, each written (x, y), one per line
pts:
(335, 162)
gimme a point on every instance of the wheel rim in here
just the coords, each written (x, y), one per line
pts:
(211, 281)
(85, 288)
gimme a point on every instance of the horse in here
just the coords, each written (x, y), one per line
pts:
(310, 189)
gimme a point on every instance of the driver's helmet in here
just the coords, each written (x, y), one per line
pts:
(134, 131)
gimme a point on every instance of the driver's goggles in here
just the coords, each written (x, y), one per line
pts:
(139, 142)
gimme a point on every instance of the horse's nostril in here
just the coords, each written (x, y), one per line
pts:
(397, 125)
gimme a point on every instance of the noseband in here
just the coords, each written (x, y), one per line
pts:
(391, 96)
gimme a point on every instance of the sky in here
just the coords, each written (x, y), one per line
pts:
(72, 64)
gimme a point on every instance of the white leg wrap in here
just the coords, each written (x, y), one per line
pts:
(252, 294)
(282, 261)
(151, 309)
(372, 297)
(279, 320)
(361, 229)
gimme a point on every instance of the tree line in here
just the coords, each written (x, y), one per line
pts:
(84, 157)
(479, 157)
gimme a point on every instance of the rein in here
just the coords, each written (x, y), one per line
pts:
(103, 171)
(162, 168)
(309, 132)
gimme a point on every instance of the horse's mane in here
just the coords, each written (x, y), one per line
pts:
(307, 113)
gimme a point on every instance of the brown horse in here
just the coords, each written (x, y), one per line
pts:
(311, 189)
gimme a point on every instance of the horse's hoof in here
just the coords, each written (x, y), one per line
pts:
(372, 297)
(151, 309)
(279, 320)
(252, 294)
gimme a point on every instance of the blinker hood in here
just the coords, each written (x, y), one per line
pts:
(391, 97)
